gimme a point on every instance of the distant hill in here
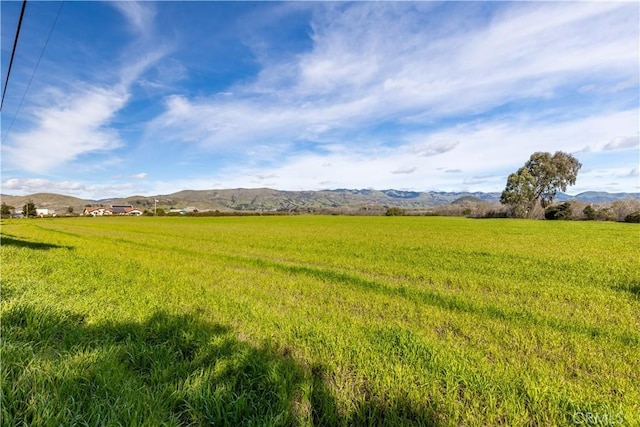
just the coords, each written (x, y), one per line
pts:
(598, 196)
(58, 202)
(267, 199)
(467, 199)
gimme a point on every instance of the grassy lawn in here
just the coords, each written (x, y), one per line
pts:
(312, 320)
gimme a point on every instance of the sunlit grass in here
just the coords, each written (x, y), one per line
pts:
(319, 321)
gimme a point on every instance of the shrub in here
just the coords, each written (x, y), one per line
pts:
(606, 214)
(633, 217)
(590, 213)
(561, 211)
(551, 212)
(599, 214)
(395, 211)
(497, 213)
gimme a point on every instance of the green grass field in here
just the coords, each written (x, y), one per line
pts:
(312, 320)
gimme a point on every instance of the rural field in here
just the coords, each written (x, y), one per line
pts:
(319, 320)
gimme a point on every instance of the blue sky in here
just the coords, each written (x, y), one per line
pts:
(152, 98)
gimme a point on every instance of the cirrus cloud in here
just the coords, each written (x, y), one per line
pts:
(623, 142)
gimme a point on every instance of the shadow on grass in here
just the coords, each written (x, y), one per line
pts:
(633, 288)
(448, 302)
(20, 243)
(168, 370)
(371, 410)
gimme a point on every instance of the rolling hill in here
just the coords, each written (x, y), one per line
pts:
(267, 199)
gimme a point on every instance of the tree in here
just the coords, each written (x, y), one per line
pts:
(29, 209)
(5, 209)
(70, 210)
(520, 193)
(538, 181)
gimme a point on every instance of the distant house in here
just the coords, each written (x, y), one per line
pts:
(133, 211)
(125, 210)
(96, 211)
(42, 212)
(113, 210)
(120, 209)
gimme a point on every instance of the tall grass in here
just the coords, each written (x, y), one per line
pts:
(319, 321)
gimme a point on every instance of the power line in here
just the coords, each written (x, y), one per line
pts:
(13, 52)
(34, 70)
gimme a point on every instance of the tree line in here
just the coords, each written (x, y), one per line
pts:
(537, 184)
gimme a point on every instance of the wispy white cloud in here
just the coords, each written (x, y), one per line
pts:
(623, 142)
(76, 118)
(389, 94)
(75, 124)
(405, 170)
(355, 75)
(141, 175)
(433, 148)
(503, 144)
(609, 179)
(76, 188)
(33, 185)
(508, 142)
(139, 15)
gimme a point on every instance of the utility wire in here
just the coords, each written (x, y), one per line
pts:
(34, 70)
(15, 43)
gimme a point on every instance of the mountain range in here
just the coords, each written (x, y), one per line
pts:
(267, 199)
